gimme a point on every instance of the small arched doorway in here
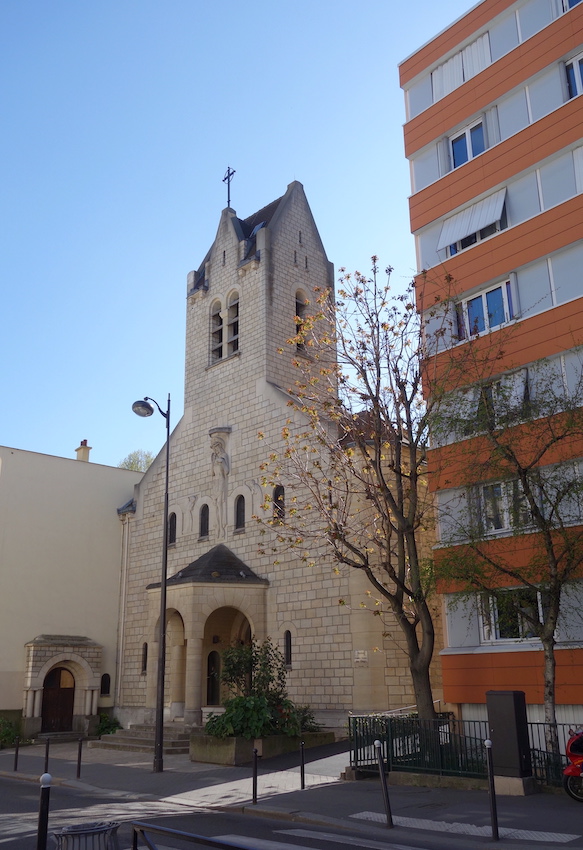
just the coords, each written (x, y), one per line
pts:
(58, 699)
(223, 628)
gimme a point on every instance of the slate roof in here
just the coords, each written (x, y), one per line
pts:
(218, 565)
(262, 216)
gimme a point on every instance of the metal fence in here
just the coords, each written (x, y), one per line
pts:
(446, 746)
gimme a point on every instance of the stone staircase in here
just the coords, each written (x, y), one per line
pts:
(139, 738)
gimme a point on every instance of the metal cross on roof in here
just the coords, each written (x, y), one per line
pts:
(227, 179)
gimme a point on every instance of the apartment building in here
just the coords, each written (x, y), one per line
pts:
(494, 140)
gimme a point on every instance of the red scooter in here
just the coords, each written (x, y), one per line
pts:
(573, 773)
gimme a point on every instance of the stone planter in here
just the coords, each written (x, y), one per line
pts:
(206, 748)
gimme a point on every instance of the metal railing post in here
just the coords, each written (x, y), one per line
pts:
(16, 747)
(302, 767)
(383, 778)
(43, 811)
(79, 751)
(492, 791)
(255, 777)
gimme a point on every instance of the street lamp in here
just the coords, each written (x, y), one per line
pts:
(144, 408)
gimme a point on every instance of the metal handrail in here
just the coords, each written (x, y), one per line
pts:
(140, 829)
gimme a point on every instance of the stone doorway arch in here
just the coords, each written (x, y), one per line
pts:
(224, 627)
(61, 663)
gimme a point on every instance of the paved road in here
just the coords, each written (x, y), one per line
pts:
(120, 785)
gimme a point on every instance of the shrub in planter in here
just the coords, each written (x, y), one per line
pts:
(259, 705)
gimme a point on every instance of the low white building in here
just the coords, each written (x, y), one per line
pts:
(60, 564)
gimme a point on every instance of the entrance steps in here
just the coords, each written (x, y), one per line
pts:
(139, 738)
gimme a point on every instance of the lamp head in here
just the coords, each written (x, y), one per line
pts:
(142, 408)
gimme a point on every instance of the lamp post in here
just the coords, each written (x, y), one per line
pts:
(144, 408)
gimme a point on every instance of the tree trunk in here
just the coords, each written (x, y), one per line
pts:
(551, 736)
(422, 688)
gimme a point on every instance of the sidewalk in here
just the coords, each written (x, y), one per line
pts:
(542, 820)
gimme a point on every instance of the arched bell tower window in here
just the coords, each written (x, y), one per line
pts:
(240, 513)
(233, 324)
(105, 689)
(172, 529)
(279, 503)
(216, 332)
(301, 312)
(203, 527)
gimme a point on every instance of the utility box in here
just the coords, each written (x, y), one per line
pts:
(508, 730)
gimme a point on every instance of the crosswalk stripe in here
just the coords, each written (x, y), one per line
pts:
(343, 839)
(251, 843)
(468, 828)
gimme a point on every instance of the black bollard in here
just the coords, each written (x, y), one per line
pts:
(384, 786)
(43, 812)
(255, 777)
(47, 755)
(302, 767)
(79, 751)
(16, 747)
(492, 791)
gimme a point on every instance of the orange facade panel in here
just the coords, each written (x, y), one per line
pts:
(498, 164)
(548, 333)
(446, 41)
(465, 462)
(499, 256)
(467, 677)
(545, 48)
(521, 554)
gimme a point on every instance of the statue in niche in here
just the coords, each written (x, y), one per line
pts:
(221, 468)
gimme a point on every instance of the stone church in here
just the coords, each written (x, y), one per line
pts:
(242, 303)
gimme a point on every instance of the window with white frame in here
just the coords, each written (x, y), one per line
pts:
(503, 507)
(568, 4)
(478, 235)
(467, 143)
(511, 614)
(574, 71)
(486, 311)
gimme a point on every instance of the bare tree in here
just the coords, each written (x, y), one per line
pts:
(354, 455)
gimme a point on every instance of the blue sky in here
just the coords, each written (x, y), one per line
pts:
(119, 121)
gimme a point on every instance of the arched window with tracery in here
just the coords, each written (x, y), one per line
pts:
(233, 324)
(216, 332)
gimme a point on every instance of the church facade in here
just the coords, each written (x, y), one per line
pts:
(224, 584)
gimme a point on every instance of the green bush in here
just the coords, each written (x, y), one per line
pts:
(107, 724)
(8, 733)
(258, 705)
(306, 719)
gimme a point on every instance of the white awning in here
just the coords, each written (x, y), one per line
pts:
(472, 219)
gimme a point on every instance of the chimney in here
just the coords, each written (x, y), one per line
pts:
(83, 451)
